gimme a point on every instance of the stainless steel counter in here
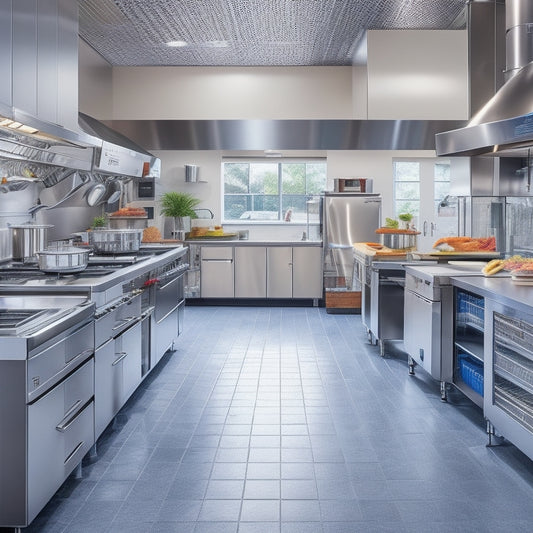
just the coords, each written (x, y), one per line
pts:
(247, 242)
(500, 289)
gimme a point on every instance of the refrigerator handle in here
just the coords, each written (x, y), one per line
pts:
(425, 228)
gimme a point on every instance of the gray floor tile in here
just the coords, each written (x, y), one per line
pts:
(285, 420)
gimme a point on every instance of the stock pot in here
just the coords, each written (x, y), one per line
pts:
(64, 259)
(115, 241)
(397, 239)
(28, 239)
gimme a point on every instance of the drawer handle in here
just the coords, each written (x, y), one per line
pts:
(124, 321)
(84, 353)
(122, 356)
(67, 420)
(73, 453)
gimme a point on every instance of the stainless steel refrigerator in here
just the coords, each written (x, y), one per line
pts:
(346, 218)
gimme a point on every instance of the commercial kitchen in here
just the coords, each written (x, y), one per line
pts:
(266, 266)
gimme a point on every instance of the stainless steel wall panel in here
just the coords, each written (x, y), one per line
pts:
(6, 18)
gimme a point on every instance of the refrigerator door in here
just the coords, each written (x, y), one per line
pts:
(347, 219)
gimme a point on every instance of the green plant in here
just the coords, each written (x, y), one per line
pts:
(178, 204)
(405, 217)
(391, 223)
(99, 222)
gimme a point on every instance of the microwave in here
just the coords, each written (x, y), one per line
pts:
(353, 185)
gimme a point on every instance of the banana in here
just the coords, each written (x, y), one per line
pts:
(492, 267)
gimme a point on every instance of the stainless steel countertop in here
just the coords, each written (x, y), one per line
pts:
(247, 242)
(99, 288)
(500, 289)
(443, 272)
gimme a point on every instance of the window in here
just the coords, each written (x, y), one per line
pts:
(409, 178)
(265, 190)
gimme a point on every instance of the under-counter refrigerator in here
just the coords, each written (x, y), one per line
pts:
(346, 218)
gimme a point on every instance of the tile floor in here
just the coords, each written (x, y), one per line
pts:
(287, 420)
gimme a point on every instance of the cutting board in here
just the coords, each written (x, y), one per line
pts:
(379, 253)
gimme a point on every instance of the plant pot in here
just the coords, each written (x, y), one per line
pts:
(182, 226)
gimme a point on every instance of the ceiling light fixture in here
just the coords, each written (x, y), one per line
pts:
(177, 44)
(217, 44)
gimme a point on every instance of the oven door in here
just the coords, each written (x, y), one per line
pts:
(422, 332)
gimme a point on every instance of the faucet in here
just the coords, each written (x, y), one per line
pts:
(288, 215)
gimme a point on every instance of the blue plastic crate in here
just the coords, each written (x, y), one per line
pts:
(471, 373)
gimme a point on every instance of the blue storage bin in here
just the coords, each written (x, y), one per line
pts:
(471, 372)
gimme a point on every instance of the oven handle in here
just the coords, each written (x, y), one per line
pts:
(123, 355)
(68, 419)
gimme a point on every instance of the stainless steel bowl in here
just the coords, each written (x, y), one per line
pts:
(66, 259)
(115, 241)
(398, 241)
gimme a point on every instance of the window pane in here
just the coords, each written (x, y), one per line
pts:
(315, 178)
(406, 171)
(236, 205)
(236, 178)
(297, 204)
(293, 178)
(408, 206)
(407, 190)
(264, 178)
(442, 171)
(442, 188)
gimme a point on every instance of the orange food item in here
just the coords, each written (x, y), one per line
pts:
(129, 212)
(467, 244)
(151, 234)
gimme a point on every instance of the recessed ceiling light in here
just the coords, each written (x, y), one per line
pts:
(177, 44)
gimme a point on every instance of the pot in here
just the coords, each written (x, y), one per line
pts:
(65, 259)
(397, 239)
(28, 239)
(115, 241)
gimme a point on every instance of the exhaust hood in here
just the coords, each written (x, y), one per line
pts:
(504, 125)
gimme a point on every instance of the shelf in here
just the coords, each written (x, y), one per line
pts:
(468, 392)
(473, 348)
(515, 369)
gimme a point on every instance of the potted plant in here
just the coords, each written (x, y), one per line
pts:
(180, 207)
(406, 219)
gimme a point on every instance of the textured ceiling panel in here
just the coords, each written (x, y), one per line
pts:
(250, 32)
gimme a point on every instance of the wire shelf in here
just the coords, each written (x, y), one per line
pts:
(516, 402)
(514, 333)
(517, 368)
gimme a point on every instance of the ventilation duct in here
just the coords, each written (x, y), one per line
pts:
(504, 126)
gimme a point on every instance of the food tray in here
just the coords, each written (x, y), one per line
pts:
(518, 368)
(471, 373)
(516, 403)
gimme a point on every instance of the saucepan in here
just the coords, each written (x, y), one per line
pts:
(63, 259)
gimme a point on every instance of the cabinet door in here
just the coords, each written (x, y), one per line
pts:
(279, 272)
(131, 364)
(307, 272)
(216, 275)
(107, 386)
(250, 272)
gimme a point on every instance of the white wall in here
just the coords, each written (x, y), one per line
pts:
(418, 74)
(95, 83)
(232, 93)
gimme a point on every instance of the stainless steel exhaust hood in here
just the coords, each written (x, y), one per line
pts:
(504, 126)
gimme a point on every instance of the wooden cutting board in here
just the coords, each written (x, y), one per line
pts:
(382, 253)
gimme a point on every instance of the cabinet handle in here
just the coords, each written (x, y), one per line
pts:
(433, 228)
(71, 454)
(88, 351)
(425, 228)
(122, 356)
(124, 321)
(67, 421)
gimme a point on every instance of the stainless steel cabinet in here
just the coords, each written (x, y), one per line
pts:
(508, 384)
(6, 100)
(217, 272)
(117, 374)
(279, 272)
(250, 272)
(307, 272)
(60, 433)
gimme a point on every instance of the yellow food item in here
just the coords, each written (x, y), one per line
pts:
(492, 267)
(151, 234)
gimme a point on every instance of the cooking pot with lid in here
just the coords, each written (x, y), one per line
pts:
(398, 239)
(28, 239)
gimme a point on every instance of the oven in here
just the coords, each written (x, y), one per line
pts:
(46, 398)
